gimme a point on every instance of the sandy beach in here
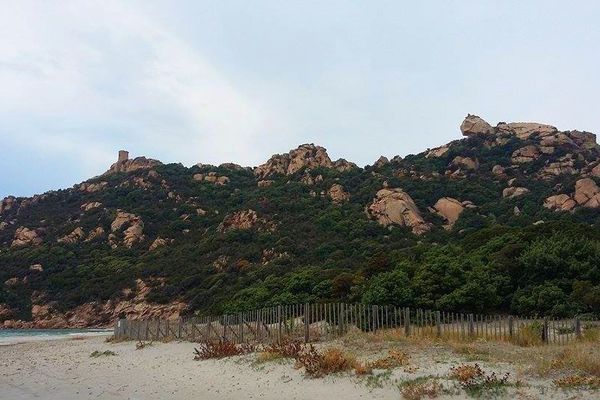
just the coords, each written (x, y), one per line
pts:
(64, 370)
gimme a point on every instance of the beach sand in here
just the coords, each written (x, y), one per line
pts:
(64, 370)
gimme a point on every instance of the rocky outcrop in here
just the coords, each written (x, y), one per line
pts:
(265, 183)
(305, 156)
(159, 242)
(124, 164)
(26, 237)
(309, 180)
(450, 209)
(7, 204)
(395, 207)
(244, 220)
(560, 202)
(36, 268)
(512, 192)
(135, 228)
(474, 125)
(565, 165)
(212, 177)
(343, 165)
(524, 130)
(525, 154)
(74, 237)
(95, 314)
(87, 187)
(90, 206)
(437, 152)
(499, 171)
(466, 163)
(381, 162)
(587, 193)
(96, 233)
(337, 194)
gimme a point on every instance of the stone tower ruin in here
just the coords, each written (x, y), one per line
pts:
(123, 155)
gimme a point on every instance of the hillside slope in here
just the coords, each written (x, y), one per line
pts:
(502, 220)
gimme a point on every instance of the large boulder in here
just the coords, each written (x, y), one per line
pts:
(450, 209)
(26, 237)
(396, 207)
(474, 125)
(74, 237)
(337, 193)
(134, 231)
(560, 202)
(305, 156)
(587, 193)
(524, 130)
(212, 177)
(512, 192)
(467, 163)
(244, 220)
(7, 204)
(526, 154)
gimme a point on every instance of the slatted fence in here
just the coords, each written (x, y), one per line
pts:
(323, 321)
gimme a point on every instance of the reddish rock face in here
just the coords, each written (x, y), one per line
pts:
(305, 156)
(395, 207)
(45, 316)
(26, 237)
(337, 193)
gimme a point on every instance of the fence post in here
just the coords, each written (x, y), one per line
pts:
(280, 324)
(545, 331)
(438, 324)
(511, 329)
(577, 328)
(375, 313)
(406, 321)
(306, 322)
(471, 326)
(225, 327)
(241, 322)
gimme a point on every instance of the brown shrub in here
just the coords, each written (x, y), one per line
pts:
(220, 349)
(288, 349)
(318, 364)
(394, 359)
(419, 390)
(578, 381)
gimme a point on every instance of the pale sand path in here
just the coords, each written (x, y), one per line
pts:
(64, 370)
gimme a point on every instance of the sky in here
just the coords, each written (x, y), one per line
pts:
(237, 81)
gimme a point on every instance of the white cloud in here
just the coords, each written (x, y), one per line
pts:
(103, 75)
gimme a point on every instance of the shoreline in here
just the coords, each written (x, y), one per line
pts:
(44, 335)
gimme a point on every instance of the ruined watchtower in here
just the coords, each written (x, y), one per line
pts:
(123, 156)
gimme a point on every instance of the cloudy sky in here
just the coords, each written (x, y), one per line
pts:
(217, 81)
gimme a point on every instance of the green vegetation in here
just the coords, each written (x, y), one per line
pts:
(493, 260)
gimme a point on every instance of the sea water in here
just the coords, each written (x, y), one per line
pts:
(12, 336)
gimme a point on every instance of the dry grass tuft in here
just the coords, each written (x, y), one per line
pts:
(476, 382)
(221, 349)
(394, 359)
(417, 390)
(583, 357)
(578, 382)
(318, 364)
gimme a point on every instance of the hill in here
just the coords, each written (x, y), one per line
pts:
(503, 220)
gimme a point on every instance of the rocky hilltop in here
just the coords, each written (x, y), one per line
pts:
(146, 239)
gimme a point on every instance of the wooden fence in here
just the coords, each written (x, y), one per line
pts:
(322, 321)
